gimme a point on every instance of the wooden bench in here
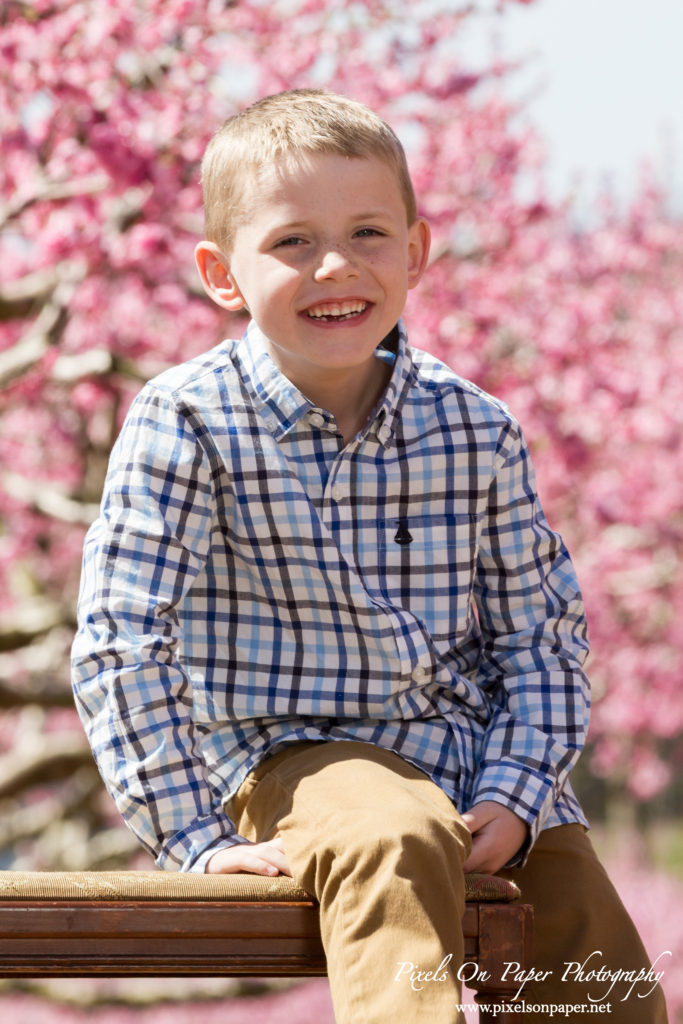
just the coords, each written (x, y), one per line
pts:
(125, 923)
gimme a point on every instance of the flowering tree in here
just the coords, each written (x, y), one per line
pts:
(582, 334)
(106, 109)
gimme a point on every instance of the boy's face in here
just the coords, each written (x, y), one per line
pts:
(323, 259)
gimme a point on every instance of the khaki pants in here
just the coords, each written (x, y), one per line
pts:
(382, 847)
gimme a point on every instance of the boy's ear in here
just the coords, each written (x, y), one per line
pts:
(218, 282)
(419, 240)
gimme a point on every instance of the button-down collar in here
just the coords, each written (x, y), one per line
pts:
(283, 405)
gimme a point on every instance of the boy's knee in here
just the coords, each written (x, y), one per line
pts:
(374, 805)
(408, 836)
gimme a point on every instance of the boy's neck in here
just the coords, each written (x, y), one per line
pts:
(352, 400)
(350, 394)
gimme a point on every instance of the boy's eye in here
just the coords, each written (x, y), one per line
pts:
(367, 232)
(290, 240)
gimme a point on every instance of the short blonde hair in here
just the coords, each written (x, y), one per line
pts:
(286, 125)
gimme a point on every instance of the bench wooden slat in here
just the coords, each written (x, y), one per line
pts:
(70, 926)
(142, 938)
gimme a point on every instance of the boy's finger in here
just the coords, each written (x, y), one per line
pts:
(478, 859)
(263, 866)
(476, 817)
(273, 853)
(278, 861)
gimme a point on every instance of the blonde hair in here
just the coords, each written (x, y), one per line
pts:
(286, 125)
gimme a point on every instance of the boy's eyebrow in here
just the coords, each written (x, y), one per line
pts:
(302, 222)
(372, 214)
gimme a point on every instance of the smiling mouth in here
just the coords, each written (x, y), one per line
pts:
(333, 311)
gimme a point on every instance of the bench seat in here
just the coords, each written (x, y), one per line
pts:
(132, 923)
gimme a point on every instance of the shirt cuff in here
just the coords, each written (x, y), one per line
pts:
(529, 794)
(185, 850)
(199, 865)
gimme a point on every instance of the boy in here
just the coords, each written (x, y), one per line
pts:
(325, 629)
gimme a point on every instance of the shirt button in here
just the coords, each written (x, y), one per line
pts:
(316, 420)
(338, 492)
(420, 673)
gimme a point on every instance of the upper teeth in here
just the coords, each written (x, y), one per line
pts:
(337, 309)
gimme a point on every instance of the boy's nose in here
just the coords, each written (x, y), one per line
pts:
(336, 262)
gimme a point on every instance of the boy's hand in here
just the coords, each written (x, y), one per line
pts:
(255, 858)
(497, 835)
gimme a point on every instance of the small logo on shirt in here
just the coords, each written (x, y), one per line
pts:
(403, 534)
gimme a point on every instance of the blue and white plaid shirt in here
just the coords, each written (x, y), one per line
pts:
(251, 582)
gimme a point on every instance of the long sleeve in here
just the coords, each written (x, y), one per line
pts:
(133, 696)
(533, 646)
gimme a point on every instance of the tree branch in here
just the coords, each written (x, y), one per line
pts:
(49, 500)
(19, 298)
(40, 692)
(45, 330)
(20, 822)
(53, 191)
(31, 621)
(62, 755)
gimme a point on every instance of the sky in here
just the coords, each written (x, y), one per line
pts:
(603, 82)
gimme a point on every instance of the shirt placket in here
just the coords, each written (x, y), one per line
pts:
(345, 485)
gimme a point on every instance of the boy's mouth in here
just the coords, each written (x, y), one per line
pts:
(332, 311)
